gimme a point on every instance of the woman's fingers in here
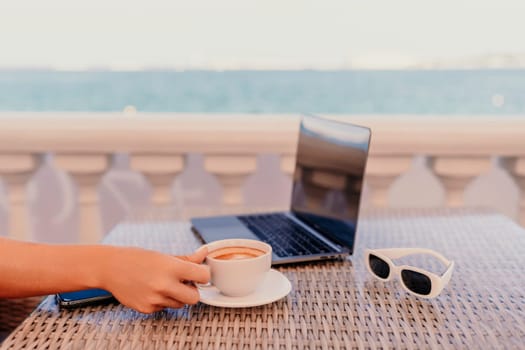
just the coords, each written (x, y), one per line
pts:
(188, 271)
(197, 257)
(149, 281)
(192, 269)
(172, 303)
(184, 293)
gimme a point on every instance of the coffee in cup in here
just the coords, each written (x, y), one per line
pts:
(236, 253)
(238, 266)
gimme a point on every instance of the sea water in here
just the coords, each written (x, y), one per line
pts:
(378, 92)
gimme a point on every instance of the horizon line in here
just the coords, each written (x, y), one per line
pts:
(245, 69)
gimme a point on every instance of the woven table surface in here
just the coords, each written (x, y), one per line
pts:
(333, 305)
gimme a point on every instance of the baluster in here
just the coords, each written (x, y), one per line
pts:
(231, 171)
(381, 171)
(288, 164)
(455, 173)
(516, 168)
(17, 170)
(160, 170)
(86, 171)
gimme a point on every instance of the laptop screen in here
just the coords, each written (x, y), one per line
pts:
(328, 178)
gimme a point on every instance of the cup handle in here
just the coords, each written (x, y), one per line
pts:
(204, 285)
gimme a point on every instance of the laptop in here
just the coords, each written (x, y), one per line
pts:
(326, 192)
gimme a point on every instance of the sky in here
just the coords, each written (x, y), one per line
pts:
(240, 34)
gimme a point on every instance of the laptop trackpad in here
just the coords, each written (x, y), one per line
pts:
(225, 227)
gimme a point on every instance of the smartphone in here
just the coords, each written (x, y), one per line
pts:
(86, 297)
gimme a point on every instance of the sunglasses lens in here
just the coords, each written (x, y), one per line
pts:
(416, 282)
(378, 266)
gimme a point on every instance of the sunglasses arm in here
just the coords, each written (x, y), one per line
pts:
(396, 253)
(446, 276)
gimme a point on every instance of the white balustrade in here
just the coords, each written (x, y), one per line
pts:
(231, 171)
(160, 170)
(516, 168)
(16, 170)
(458, 148)
(86, 170)
(457, 172)
(287, 163)
(381, 171)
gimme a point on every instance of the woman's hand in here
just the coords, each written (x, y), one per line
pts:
(149, 281)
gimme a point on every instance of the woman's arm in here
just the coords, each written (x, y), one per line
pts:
(144, 280)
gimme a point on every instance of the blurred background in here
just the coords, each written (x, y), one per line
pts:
(110, 106)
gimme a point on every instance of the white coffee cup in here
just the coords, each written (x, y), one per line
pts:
(238, 277)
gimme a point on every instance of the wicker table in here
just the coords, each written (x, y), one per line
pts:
(333, 305)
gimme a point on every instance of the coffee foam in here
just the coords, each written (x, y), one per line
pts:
(235, 253)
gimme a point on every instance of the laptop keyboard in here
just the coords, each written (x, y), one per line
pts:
(286, 237)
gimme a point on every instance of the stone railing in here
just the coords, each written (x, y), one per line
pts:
(453, 150)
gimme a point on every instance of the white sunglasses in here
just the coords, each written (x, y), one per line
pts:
(414, 280)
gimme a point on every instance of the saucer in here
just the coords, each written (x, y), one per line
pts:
(274, 287)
